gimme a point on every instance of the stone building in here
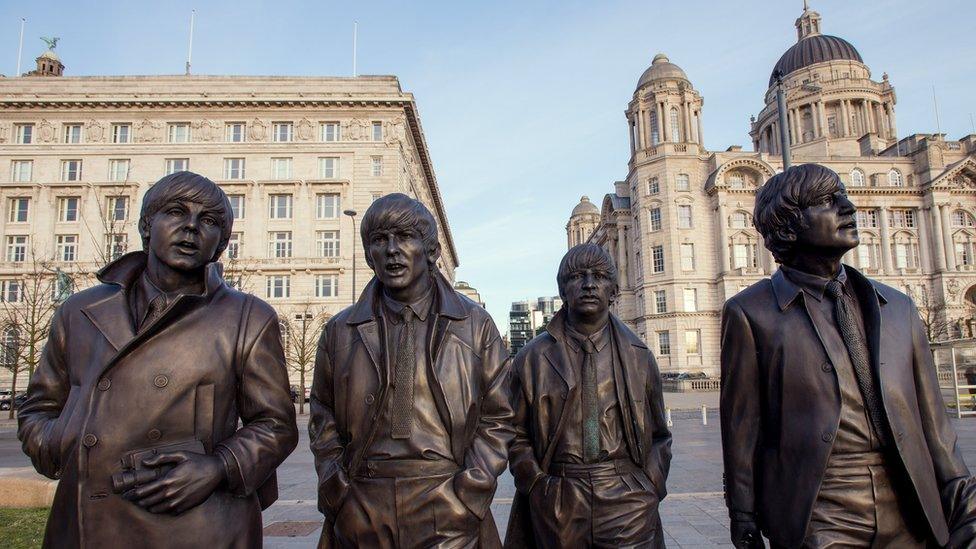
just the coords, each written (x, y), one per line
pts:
(293, 154)
(680, 225)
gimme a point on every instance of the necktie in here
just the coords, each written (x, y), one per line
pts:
(591, 413)
(403, 379)
(155, 310)
(857, 348)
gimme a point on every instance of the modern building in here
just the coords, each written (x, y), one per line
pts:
(466, 290)
(680, 224)
(296, 155)
(529, 318)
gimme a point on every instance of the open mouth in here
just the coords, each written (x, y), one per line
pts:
(849, 225)
(396, 269)
(187, 246)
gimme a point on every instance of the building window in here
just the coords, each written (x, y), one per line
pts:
(377, 166)
(657, 259)
(236, 205)
(72, 133)
(233, 168)
(857, 178)
(24, 134)
(327, 243)
(654, 216)
(684, 216)
(174, 165)
(673, 125)
(740, 220)
(655, 136)
(16, 248)
(21, 171)
(68, 208)
(660, 301)
(687, 257)
(868, 252)
(640, 267)
(116, 245)
(906, 254)
(327, 285)
(10, 293)
(964, 253)
(744, 256)
(279, 244)
(282, 132)
(330, 131)
(71, 170)
(279, 206)
(901, 218)
(962, 218)
(691, 299)
(692, 342)
(377, 131)
(235, 132)
(67, 247)
(178, 133)
(663, 343)
(374, 196)
(18, 210)
(867, 219)
(234, 246)
(329, 167)
(121, 133)
(281, 168)
(894, 178)
(326, 205)
(118, 169)
(682, 182)
(118, 208)
(653, 186)
(279, 286)
(735, 181)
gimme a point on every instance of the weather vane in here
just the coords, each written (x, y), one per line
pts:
(51, 42)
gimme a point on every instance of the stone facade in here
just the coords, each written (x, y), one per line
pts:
(680, 225)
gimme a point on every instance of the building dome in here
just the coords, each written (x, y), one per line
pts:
(585, 207)
(661, 69)
(49, 54)
(817, 48)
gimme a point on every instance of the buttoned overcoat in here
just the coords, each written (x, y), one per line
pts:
(102, 390)
(780, 408)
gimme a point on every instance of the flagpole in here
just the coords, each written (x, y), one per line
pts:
(189, 53)
(20, 48)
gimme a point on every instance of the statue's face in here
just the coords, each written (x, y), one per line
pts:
(184, 235)
(830, 226)
(589, 292)
(398, 256)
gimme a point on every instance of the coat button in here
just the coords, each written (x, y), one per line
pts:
(104, 384)
(370, 398)
(89, 440)
(160, 381)
(826, 367)
(154, 434)
(826, 437)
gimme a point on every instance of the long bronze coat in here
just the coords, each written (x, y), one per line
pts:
(101, 391)
(544, 378)
(469, 370)
(780, 407)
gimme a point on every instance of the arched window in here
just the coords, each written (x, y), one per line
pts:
(739, 220)
(869, 252)
(655, 135)
(964, 244)
(857, 178)
(9, 346)
(745, 251)
(894, 178)
(735, 180)
(904, 249)
(962, 218)
(673, 125)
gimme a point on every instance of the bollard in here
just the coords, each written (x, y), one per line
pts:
(704, 415)
(667, 416)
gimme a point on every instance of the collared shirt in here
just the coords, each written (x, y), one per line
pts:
(613, 443)
(429, 439)
(854, 433)
(143, 293)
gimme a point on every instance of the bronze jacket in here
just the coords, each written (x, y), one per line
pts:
(544, 377)
(780, 408)
(101, 391)
(469, 370)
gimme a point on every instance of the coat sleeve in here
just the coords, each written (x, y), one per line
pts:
(657, 459)
(487, 454)
(42, 417)
(327, 449)
(523, 462)
(264, 403)
(956, 486)
(740, 412)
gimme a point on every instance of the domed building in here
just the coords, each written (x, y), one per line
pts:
(680, 224)
(582, 222)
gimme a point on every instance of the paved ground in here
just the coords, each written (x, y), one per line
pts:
(693, 514)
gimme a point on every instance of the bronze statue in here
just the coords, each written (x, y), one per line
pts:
(136, 401)
(834, 432)
(592, 449)
(410, 415)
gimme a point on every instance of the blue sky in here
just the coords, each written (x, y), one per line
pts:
(522, 102)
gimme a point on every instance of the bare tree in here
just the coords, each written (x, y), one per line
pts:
(301, 336)
(933, 312)
(109, 235)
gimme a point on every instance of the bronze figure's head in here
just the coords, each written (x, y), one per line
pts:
(587, 280)
(400, 240)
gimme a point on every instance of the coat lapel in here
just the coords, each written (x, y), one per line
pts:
(112, 317)
(627, 377)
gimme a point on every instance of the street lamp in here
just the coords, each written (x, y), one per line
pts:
(352, 214)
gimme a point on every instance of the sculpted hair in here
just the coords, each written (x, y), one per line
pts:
(582, 257)
(187, 187)
(398, 210)
(781, 201)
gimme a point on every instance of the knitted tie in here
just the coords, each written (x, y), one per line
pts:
(857, 348)
(591, 413)
(403, 379)
(155, 310)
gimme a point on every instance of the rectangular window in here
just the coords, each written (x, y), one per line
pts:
(17, 248)
(10, 291)
(71, 170)
(867, 219)
(18, 210)
(67, 247)
(663, 343)
(654, 215)
(21, 171)
(233, 168)
(964, 253)
(279, 206)
(691, 299)
(116, 245)
(72, 133)
(682, 182)
(377, 166)
(906, 255)
(327, 285)
(684, 217)
(867, 255)
(653, 186)
(234, 246)
(281, 132)
(744, 256)
(687, 257)
(68, 208)
(692, 342)
(279, 244)
(235, 132)
(178, 133)
(327, 205)
(327, 243)
(377, 131)
(330, 131)
(657, 259)
(237, 205)
(121, 133)
(24, 134)
(118, 169)
(279, 286)
(174, 165)
(660, 301)
(901, 218)
(281, 168)
(329, 167)
(118, 208)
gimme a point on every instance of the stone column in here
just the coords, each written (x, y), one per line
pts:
(662, 133)
(923, 242)
(891, 121)
(885, 243)
(698, 119)
(776, 141)
(950, 251)
(621, 256)
(686, 110)
(822, 117)
(845, 127)
(723, 238)
(936, 242)
(633, 129)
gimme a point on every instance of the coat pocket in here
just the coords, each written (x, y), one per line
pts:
(62, 436)
(203, 416)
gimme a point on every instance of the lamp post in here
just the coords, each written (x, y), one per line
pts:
(784, 130)
(352, 214)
